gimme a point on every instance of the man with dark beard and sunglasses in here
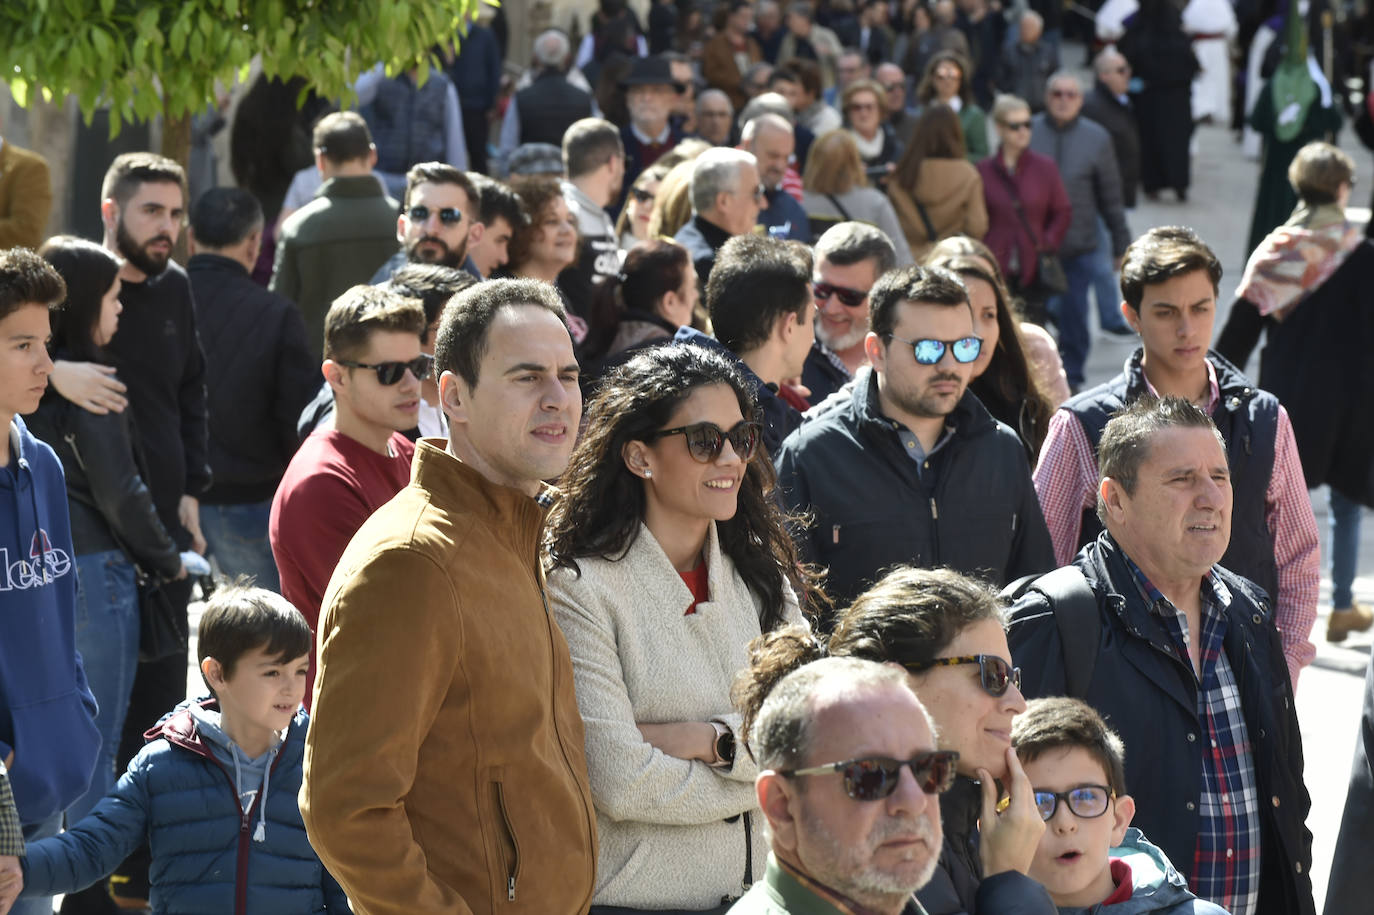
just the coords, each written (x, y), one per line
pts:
(849, 781)
(438, 221)
(910, 468)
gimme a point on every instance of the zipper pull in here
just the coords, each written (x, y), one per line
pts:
(934, 512)
(510, 889)
(835, 534)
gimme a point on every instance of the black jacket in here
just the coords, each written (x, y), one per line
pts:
(1148, 695)
(1352, 881)
(159, 357)
(258, 375)
(1115, 115)
(958, 885)
(1317, 362)
(974, 510)
(111, 507)
(1248, 419)
(548, 106)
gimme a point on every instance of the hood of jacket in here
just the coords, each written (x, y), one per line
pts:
(46, 708)
(1155, 885)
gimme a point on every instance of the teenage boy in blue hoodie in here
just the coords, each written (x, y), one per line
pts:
(48, 738)
(1090, 857)
(214, 791)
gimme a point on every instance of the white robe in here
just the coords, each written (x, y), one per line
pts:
(1212, 85)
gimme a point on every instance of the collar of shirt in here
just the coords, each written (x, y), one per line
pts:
(647, 140)
(1213, 387)
(838, 900)
(1214, 591)
(832, 358)
(912, 444)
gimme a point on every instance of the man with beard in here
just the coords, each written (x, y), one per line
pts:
(158, 356)
(438, 221)
(911, 469)
(850, 257)
(849, 781)
(650, 95)
(335, 241)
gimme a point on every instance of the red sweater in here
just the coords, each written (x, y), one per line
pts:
(332, 486)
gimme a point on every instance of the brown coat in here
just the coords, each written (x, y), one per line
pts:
(444, 767)
(25, 197)
(720, 70)
(951, 190)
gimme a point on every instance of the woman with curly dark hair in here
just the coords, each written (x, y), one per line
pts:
(946, 629)
(667, 556)
(547, 244)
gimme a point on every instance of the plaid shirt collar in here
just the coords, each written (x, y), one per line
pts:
(1216, 597)
(832, 358)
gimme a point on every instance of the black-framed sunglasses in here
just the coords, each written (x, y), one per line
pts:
(641, 196)
(873, 778)
(389, 373)
(851, 298)
(1087, 802)
(930, 352)
(705, 441)
(1016, 125)
(449, 216)
(994, 674)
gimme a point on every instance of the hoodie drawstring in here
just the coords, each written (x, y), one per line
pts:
(259, 834)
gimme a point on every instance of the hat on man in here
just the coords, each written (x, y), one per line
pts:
(651, 71)
(535, 159)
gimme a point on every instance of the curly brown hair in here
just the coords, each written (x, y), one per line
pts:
(537, 193)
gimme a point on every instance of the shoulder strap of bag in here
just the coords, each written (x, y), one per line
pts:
(925, 218)
(1020, 210)
(839, 206)
(1075, 615)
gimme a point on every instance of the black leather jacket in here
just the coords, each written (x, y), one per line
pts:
(111, 508)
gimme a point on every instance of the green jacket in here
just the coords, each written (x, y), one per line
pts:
(782, 894)
(336, 241)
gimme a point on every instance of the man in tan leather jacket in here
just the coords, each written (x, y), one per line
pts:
(444, 767)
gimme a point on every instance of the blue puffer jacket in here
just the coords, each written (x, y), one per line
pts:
(1157, 887)
(183, 801)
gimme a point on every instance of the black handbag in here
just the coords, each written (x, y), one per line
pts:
(1050, 278)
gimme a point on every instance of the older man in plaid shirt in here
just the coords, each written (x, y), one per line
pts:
(1186, 665)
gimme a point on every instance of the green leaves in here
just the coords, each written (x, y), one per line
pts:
(144, 58)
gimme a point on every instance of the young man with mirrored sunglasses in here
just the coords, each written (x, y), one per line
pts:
(911, 468)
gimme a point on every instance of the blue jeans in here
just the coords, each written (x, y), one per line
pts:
(107, 637)
(37, 905)
(1106, 284)
(237, 535)
(1070, 312)
(1345, 548)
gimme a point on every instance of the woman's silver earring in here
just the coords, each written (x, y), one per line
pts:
(648, 473)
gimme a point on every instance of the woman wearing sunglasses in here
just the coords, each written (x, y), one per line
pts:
(633, 225)
(946, 630)
(667, 556)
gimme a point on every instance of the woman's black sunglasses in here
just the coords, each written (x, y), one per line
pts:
(994, 674)
(875, 777)
(705, 440)
(389, 373)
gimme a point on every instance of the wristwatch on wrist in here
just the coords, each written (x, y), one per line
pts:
(724, 746)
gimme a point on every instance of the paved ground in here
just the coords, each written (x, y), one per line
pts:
(1330, 691)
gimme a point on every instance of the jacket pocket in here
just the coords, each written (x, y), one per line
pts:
(507, 845)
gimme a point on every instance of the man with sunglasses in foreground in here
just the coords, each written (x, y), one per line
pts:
(341, 475)
(911, 469)
(336, 240)
(849, 778)
(1186, 665)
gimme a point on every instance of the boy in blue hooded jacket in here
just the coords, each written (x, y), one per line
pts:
(48, 738)
(214, 791)
(1090, 857)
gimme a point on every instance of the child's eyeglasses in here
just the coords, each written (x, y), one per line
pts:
(1087, 802)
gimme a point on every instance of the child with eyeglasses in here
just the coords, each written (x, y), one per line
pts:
(1090, 857)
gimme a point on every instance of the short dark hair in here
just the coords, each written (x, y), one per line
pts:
(848, 243)
(1161, 254)
(130, 171)
(27, 279)
(466, 326)
(754, 281)
(1126, 440)
(433, 285)
(437, 173)
(497, 201)
(88, 271)
(342, 136)
(927, 285)
(225, 216)
(589, 144)
(805, 73)
(239, 618)
(354, 316)
(1061, 723)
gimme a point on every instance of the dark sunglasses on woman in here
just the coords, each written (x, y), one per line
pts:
(994, 674)
(389, 373)
(875, 777)
(705, 441)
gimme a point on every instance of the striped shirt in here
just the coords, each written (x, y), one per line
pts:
(1226, 859)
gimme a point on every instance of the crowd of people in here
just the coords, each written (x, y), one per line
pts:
(663, 494)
